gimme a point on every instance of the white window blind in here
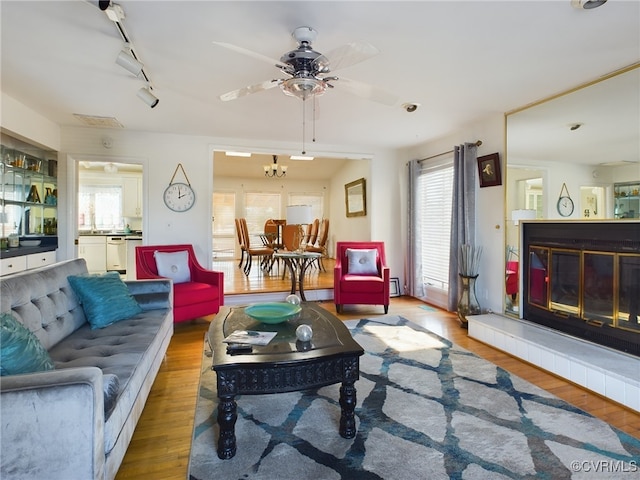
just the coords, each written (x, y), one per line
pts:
(259, 207)
(316, 200)
(435, 186)
(224, 228)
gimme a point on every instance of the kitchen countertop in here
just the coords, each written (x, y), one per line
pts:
(101, 233)
(20, 251)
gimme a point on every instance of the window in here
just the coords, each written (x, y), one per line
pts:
(435, 189)
(100, 207)
(316, 200)
(224, 232)
(260, 207)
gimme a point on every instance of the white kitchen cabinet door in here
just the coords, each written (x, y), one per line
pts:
(132, 197)
(94, 250)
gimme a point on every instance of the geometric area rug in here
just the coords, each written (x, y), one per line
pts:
(426, 409)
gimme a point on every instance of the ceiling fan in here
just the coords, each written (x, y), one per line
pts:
(307, 70)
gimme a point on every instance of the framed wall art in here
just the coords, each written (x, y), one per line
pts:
(489, 170)
(355, 196)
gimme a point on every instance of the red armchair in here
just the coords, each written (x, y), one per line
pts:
(368, 281)
(202, 295)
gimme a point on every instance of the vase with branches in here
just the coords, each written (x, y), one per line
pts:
(468, 266)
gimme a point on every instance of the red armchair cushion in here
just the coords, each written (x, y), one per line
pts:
(193, 292)
(357, 283)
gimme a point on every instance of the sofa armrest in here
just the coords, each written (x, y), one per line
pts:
(53, 424)
(151, 294)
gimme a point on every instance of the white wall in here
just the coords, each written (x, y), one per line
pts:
(160, 154)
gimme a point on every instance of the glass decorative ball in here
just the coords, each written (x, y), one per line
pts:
(293, 299)
(304, 333)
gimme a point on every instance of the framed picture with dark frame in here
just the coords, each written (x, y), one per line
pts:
(489, 170)
(394, 287)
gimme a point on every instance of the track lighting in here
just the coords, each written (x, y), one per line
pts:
(148, 97)
(129, 62)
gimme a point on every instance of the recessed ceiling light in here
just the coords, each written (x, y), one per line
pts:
(587, 4)
(237, 154)
(300, 157)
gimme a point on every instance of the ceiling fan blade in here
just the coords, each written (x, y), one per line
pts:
(347, 55)
(251, 53)
(367, 91)
(242, 92)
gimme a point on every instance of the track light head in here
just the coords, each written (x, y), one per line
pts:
(148, 97)
(130, 63)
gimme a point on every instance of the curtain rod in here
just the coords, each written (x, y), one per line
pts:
(477, 144)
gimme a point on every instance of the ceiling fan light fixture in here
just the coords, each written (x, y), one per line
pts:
(303, 87)
(301, 157)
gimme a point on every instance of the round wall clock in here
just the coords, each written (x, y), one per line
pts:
(565, 203)
(179, 197)
(565, 206)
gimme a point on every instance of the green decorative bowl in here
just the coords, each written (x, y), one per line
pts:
(275, 312)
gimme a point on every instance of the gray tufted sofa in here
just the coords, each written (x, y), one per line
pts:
(75, 422)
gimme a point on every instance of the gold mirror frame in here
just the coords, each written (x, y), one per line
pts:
(355, 197)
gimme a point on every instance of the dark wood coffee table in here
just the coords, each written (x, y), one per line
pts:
(284, 365)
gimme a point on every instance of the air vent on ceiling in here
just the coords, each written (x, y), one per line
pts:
(96, 121)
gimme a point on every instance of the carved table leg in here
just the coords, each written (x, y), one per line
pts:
(304, 263)
(227, 416)
(348, 405)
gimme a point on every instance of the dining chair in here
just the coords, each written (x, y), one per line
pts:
(241, 242)
(263, 252)
(321, 245)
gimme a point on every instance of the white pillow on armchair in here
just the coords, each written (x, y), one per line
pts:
(173, 265)
(361, 261)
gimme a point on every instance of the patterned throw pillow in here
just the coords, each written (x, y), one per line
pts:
(20, 349)
(105, 298)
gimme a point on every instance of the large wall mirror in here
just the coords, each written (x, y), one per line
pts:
(586, 141)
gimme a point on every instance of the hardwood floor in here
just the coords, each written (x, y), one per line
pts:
(161, 442)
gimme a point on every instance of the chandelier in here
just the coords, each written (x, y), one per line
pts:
(272, 170)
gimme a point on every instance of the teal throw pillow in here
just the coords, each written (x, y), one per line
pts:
(20, 349)
(105, 298)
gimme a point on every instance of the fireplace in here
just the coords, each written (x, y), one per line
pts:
(583, 279)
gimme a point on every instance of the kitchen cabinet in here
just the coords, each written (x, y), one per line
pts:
(626, 199)
(43, 259)
(94, 250)
(132, 197)
(132, 243)
(13, 265)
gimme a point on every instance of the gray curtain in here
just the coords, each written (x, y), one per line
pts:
(463, 212)
(413, 264)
